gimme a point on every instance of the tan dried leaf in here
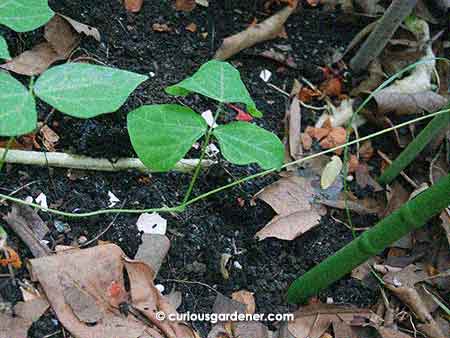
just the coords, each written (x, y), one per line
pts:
(34, 61)
(61, 36)
(247, 298)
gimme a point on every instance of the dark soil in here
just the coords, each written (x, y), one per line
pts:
(208, 228)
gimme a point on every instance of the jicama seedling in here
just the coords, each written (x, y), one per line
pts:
(162, 134)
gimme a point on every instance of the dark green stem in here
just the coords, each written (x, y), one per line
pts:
(410, 216)
(415, 147)
(202, 155)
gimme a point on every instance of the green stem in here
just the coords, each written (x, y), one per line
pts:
(410, 216)
(415, 147)
(202, 154)
(182, 206)
(8, 146)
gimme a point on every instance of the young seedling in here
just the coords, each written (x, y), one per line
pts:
(162, 134)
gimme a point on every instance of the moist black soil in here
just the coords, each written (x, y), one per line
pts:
(209, 228)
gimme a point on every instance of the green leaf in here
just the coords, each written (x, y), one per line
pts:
(219, 81)
(4, 53)
(243, 143)
(162, 134)
(84, 91)
(24, 15)
(18, 114)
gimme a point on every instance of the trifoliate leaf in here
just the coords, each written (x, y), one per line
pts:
(219, 81)
(24, 15)
(162, 134)
(84, 91)
(18, 114)
(244, 143)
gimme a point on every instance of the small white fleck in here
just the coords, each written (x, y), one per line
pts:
(151, 74)
(265, 75)
(42, 200)
(330, 300)
(113, 200)
(212, 150)
(152, 224)
(237, 265)
(160, 287)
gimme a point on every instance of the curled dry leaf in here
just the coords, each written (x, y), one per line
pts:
(49, 137)
(78, 286)
(153, 250)
(133, 5)
(266, 30)
(294, 120)
(291, 198)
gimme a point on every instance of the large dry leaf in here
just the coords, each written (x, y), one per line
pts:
(83, 286)
(34, 61)
(266, 30)
(403, 285)
(15, 324)
(247, 298)
(313, 320)
(291, 198)
(61, 36)
(409, 103)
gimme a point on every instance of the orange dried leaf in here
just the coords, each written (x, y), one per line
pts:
(332, 87)
(133, 5)
(306, 94)
(13, 258)
(185, 5)
(317, 133)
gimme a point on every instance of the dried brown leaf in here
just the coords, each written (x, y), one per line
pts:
(153, 250)
(90, 273)
(313, 320)
(34, 61)
(247, 298)
(294, 122)
(61, 36)
(83, 28)
(414, 103)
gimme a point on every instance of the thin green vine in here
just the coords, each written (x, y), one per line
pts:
(182, 206)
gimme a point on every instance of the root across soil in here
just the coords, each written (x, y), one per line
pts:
(209, 228)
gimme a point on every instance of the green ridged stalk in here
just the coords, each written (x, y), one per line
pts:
(410, 216)
(433, 128)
